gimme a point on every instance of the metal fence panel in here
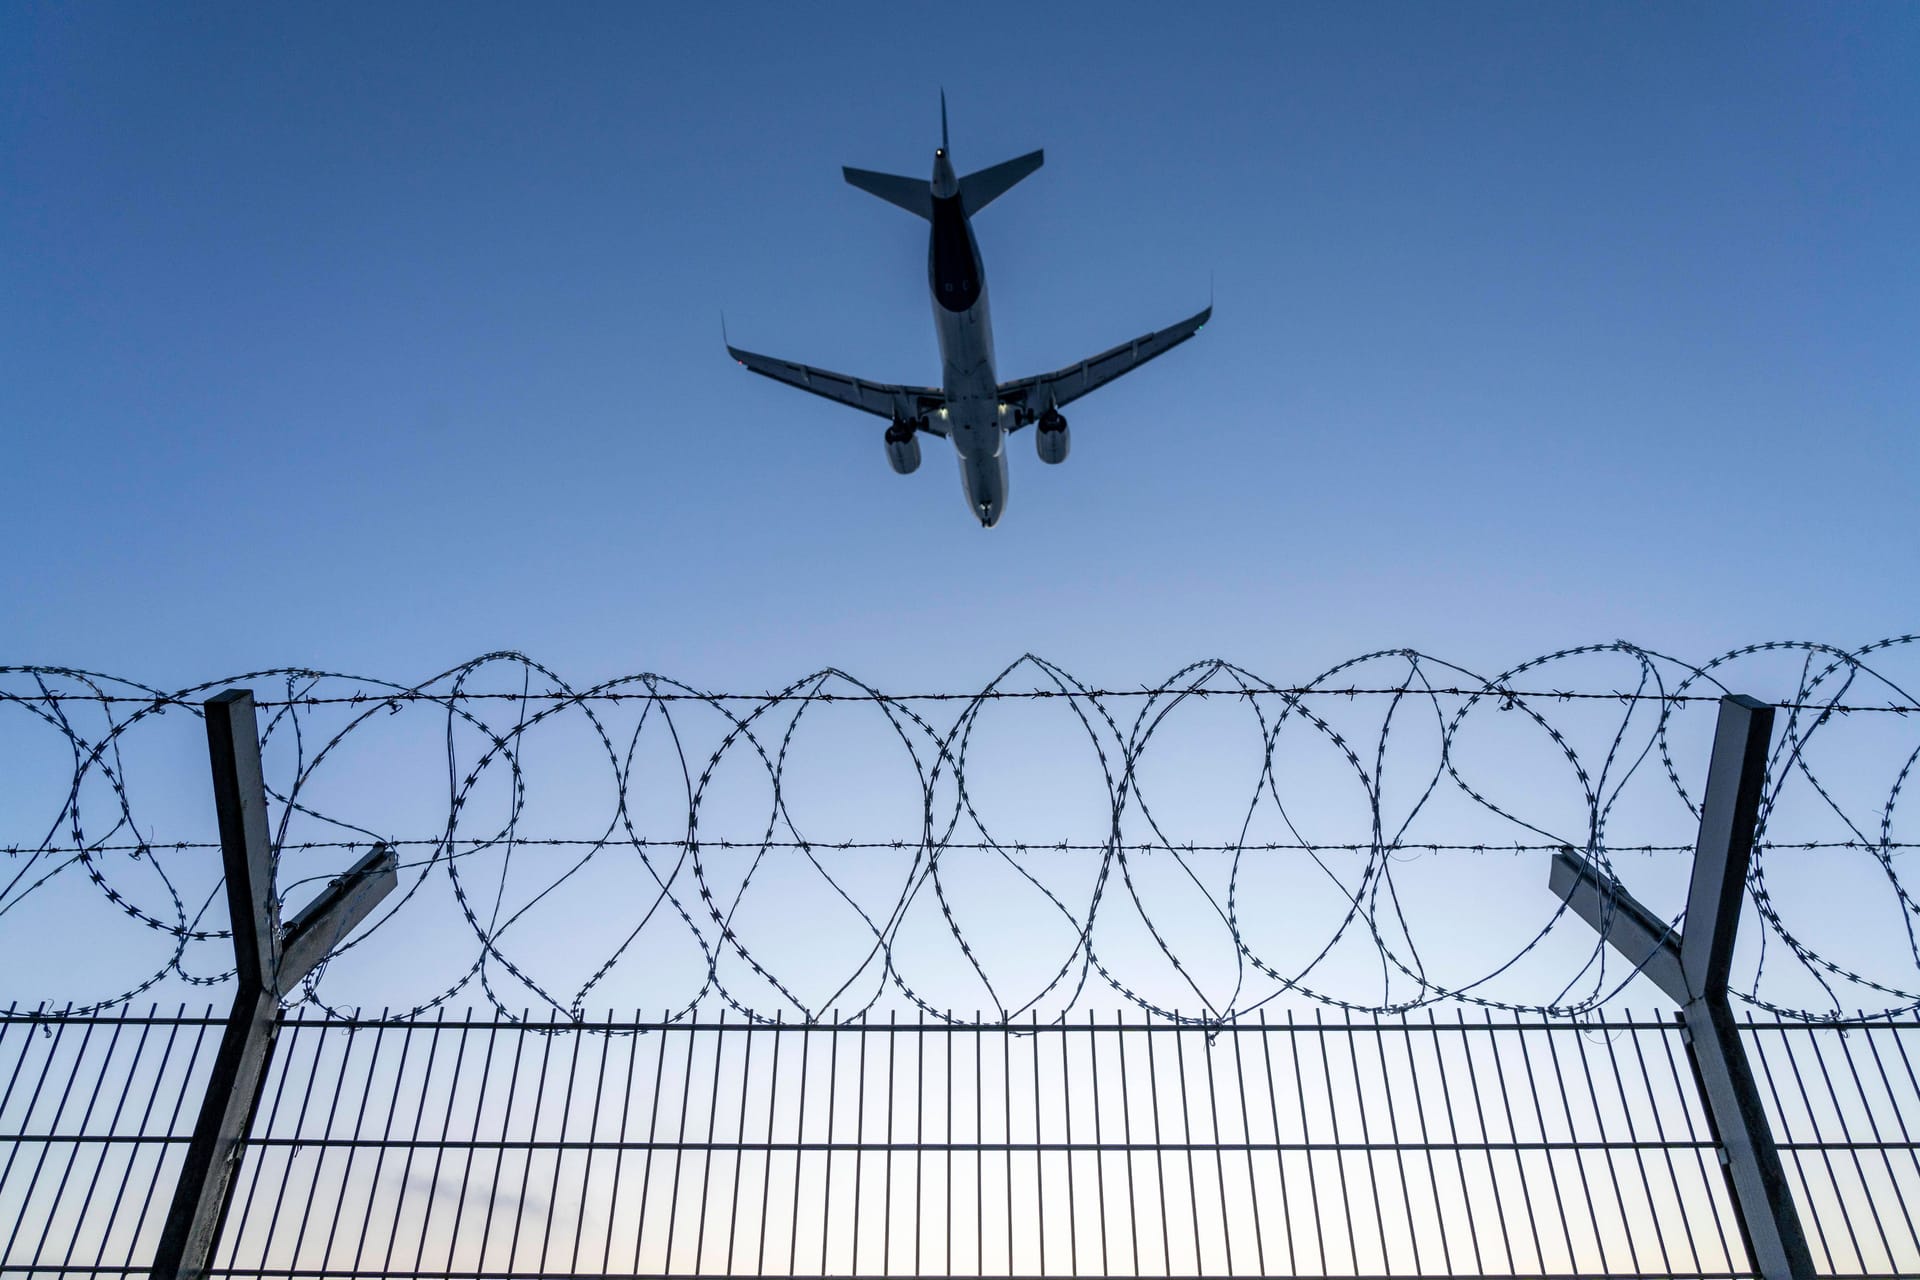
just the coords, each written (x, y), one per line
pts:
(1421, 1146)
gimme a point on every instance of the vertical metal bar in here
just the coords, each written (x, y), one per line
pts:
(920, 1131)
(1280, 1157)
(646, 1172)
(766, 1181)
(680, 1140)
(1219, 1157)
(739, 1142)
(713, 1120)
(886, 1173)
(1066, 1113)
(1099, 1140)
(947, 1189)
(859, 1141)
(1006, 1082)
(560, 1151)
(1426, 1137)
(1179, 1036)
(353, 1152)
(826, 1183)
(519, 1032)
(593, 1144)
(1366, 1140)
(1246, 1133)
(619, 1152)
(532, 1137)
(980, 1154)
(1159, 1150)
(799, 1156)
(1320, 1034)
(1126, 1136)
(1039, 1158)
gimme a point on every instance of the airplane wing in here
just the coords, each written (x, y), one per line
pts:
(1058, 388)
(879, 398)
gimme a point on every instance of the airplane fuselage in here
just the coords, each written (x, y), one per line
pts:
(974, 419)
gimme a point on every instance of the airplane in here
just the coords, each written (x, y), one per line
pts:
(970, 408)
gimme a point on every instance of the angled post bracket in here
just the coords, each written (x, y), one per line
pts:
(1692, 968)
(269, 961)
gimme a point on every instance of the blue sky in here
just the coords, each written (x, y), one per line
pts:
(372, 339)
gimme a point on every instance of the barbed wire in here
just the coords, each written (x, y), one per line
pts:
(771, 924)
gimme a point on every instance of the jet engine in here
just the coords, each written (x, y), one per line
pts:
(1051, 439)
(903, 448)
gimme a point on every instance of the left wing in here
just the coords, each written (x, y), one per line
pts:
(1051, 390)
(882, 399)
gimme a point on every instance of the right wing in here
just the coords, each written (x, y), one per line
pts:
(1063, 385)
(884, 400)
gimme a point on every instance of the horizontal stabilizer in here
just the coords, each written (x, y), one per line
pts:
(915, 195)
(978, 190)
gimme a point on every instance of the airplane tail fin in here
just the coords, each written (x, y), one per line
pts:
(978, 190)
(915, 195)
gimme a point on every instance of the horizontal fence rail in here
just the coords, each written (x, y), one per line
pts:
(1425, 1145)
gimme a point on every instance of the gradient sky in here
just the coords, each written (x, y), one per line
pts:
(371, 339)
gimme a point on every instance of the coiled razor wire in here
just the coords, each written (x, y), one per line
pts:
(311, 721)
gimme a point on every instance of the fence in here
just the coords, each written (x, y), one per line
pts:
(1472, 1145)
(1441, 1128)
